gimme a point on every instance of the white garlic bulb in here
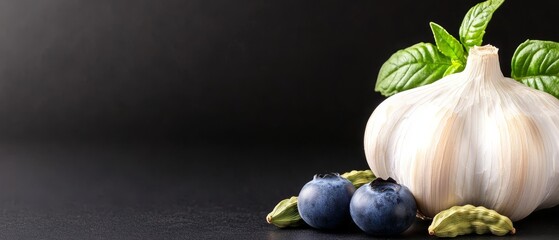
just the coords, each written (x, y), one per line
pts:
(474, 137)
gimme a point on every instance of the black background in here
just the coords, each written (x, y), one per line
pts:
(291, 72)
(191, 119)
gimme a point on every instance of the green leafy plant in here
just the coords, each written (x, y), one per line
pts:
(534, 63)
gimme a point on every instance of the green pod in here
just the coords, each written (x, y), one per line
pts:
(285, 214)
(467, 219)
(359, 178)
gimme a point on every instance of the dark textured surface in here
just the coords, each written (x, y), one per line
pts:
(75, 191)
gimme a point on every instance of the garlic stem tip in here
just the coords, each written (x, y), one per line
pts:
(483, 50)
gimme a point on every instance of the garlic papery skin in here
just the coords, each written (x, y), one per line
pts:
(474, 137)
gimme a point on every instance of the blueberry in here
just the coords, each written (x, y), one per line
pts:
(324, 202)
(383, 208)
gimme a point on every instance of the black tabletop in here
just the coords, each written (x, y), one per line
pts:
(144, 191)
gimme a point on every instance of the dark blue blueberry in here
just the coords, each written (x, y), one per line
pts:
(323, 203)
(383, 208)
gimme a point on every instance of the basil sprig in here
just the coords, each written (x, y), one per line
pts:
(535, 62)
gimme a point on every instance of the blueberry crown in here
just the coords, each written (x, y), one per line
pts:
(326, 175)
(384, 185)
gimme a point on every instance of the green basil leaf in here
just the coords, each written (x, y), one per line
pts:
(447, 44)
(454, 68)
(473, 26)
(536, 64)
(412, 67)
(548, 84)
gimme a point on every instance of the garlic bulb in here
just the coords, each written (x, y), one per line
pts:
(474, 137)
